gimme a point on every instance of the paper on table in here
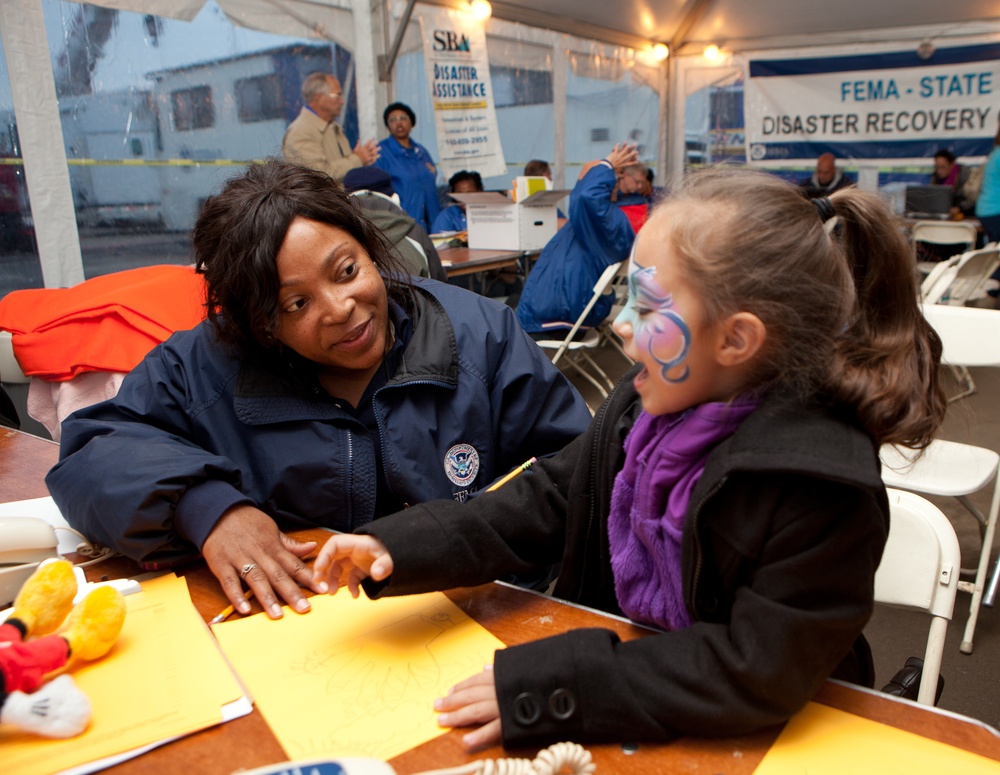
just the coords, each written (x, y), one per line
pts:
(821, 740)
(356, 677)
(165, 677)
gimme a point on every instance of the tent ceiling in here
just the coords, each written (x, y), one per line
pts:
(744, 24)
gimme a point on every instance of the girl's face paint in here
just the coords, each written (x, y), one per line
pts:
(662, 327)
(659, 330)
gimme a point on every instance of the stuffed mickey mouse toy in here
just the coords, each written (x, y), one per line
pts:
(46, 632)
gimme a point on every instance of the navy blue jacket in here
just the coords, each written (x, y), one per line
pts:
(597, 235)
(194, 431)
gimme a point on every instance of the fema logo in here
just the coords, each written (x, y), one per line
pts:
(758, 151)
(461, 464)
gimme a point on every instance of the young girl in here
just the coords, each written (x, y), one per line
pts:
(727, 493)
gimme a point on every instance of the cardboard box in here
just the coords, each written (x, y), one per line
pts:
(497, 223)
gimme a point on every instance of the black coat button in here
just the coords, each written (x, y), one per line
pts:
(562, 704)
(527, 709)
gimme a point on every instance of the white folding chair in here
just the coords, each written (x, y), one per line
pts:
(919, 571)
(942, 233)
(960, 278)
(573, 352)
(948, 468)
(619, 285)
(970, 336)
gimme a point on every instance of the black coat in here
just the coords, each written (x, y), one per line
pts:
(784, 533)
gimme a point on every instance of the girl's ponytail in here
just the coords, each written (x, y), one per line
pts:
(887, 359)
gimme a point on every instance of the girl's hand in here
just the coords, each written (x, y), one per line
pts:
(473, 701)
(348, 560)
(246, 537)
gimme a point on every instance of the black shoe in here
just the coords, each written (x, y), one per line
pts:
(906, 682)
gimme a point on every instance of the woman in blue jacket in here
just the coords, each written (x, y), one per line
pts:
(324, 389)
(409, 164)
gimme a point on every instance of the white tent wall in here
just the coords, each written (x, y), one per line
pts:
(560, 32)
(36, 107)
(578, 69)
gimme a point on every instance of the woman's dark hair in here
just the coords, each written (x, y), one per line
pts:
(240, 231)
(399, 106)
(944, 153)
(838, 299)
(461, 175)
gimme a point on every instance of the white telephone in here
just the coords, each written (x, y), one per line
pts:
(24, 542)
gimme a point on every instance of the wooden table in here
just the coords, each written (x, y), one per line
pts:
(514, 616)
(463, 261)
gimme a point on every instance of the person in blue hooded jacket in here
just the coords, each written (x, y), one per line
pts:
(597, 234)
(325, 389)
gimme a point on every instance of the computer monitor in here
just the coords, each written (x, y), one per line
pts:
(928, 201)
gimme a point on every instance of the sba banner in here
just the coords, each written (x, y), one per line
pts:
(458, 71)
(891, 106)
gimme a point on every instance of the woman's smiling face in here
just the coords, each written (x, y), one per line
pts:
(332, 301)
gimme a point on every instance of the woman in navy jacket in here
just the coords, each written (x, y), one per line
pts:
(324, 389)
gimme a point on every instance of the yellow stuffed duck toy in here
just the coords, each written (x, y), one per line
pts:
(46, 632)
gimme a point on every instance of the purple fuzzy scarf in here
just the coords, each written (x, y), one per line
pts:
(664, 458)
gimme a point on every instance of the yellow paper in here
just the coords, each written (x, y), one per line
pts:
(356, 677)
(165, 677)
(821, 740)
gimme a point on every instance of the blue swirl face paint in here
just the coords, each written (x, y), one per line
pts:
(658, 329)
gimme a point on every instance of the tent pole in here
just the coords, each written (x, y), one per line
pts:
(32, 83)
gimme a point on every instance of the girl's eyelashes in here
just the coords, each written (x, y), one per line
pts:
(293, 306)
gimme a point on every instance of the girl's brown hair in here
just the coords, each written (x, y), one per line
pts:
(838, 299)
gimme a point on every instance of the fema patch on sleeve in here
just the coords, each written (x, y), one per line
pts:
(461, 464)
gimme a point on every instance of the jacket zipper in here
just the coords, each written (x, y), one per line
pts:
(598, 485)
(695, 533)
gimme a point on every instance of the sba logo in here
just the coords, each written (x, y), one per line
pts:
(446, 40)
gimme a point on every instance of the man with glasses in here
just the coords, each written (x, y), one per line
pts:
(315, 139)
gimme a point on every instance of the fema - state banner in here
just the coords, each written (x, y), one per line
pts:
(892, 107)
(458, 71)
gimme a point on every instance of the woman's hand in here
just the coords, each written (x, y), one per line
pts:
(473, 701)
(621, 156)
(247, 537)
(349, 560)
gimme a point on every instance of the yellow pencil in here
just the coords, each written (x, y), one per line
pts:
(228, 610)
(516, 472)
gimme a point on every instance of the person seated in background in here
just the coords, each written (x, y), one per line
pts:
(413, 172)
(948, 172)
(452, 218)
(373, 189)
(537, 168)
(326, 388)
(636, 205)
(597, 234)
(826, 179)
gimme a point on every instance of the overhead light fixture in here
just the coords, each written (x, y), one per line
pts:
(926, 49)
(712, 52)
(481, 9)
(660, 51)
